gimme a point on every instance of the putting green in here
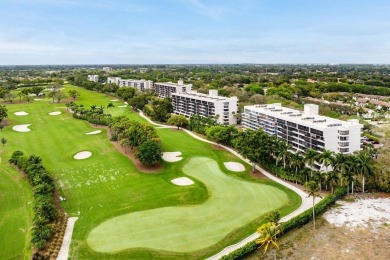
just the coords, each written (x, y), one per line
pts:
(233, 203)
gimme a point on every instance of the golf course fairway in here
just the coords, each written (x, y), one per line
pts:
(233, 203)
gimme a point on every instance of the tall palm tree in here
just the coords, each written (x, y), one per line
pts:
(326, 159)
(332, 178)
(296, 162)
(365, 168)
(341, 165)
(283, 152)
(352, 171)
(268, 235)
(310, 157)
(319, 178)
(312, 188)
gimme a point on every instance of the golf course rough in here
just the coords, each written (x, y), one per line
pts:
(233, 203)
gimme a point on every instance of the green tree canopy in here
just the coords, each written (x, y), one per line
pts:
(149, 153)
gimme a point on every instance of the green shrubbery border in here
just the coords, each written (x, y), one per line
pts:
(291, 224)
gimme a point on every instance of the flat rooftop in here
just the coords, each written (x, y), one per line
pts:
(302, 118)
(204, 97)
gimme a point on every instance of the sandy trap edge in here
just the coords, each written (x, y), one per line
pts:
(94, 132)
(82, 155)
(182, 181)
(234, 166)
(21, 128)
(20, 113)
(55, 113)
(172, 156)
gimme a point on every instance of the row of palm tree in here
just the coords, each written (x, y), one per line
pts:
(326, 167)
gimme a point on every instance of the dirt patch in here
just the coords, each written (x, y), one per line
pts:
(5, 122)
(130, 153)
(216, 147)
(258, 175)
(331, 242)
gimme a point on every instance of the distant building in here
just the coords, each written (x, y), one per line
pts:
(107, 69)
(94, 78)
(224, 109)
(140, 84)
(165, 89)
(305, 129)
(114, 80)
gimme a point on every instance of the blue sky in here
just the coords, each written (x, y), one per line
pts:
(194, 31)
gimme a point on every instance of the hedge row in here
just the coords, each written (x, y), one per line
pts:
(293, 223)
(43, 190)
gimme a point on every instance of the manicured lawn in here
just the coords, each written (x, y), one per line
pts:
(232, 203)
(15, 214)
(107, 186)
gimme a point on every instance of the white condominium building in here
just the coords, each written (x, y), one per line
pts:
(114, 80)
(94, 78)
(165, 89)
(224, 109)
(141, 84)
(305, 129)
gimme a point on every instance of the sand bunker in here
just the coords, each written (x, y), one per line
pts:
(182, 181)
(122, 106)
(234, 166)
(56, 113)
(38, 99)
(361, 213)
(82, 155)
(114, 100)
(94, 132)
(20, 113)
(21, 128)
(172, 156)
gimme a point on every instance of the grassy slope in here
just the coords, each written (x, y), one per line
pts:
(107, 184)
(15, 214)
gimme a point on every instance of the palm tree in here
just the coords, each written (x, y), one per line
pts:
(296, 162)
(341, 165)
(268, 235)
(306, 172)
(326, 159)
(364, 160)
(332, 178)
(283, 152)
(312, 188)
(310, 157)
(319, 178)
(353, 170)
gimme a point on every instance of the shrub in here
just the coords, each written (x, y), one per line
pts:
(43, 188)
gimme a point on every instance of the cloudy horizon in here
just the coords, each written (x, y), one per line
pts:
(38, 32)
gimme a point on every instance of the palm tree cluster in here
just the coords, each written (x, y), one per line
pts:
(43, 188)
(93, 115)
(326, 168)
